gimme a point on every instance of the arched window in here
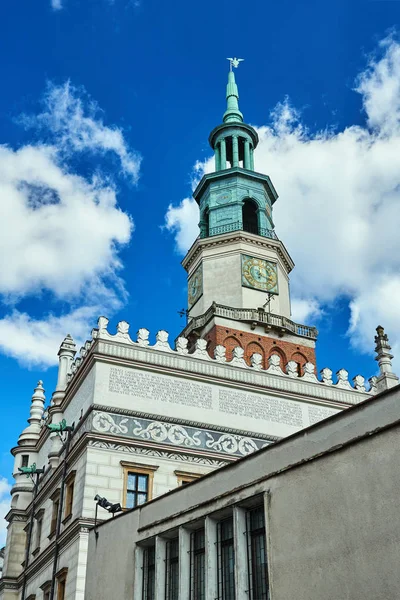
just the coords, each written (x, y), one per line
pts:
(250, 218)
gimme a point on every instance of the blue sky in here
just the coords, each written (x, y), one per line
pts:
(105, 110)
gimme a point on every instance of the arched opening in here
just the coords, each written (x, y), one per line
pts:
(206, 223)
(301, 360)
(250, 217)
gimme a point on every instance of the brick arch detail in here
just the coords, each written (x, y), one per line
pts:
(252, 348)
(281, 353)
(301, 360)
(230, 342)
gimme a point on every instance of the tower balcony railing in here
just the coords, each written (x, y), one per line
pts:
(256, 316)
(238, 226)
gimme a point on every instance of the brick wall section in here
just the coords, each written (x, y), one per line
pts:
(264, 345)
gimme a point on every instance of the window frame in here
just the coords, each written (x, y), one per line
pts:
(146, 594)
(46, 589)
(184, 477)
(39, 516)
(223, 594)
(172, 569)
(194, 575)
(69, 495)
(137, 469)
(252, 534)
(55, 498)
(61, 578)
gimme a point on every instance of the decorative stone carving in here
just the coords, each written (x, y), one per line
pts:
(237, 358)
(161, 432)
(102, 324)
(372, 385)
(256, 361)
(162, 341)
(343, 380)
(123, 328)
(274, 362)
(292, 368)
(309, 373)
(143, 337)
(359, 383)
(326, 376)
(181, 345)
(220, 353)
(232, 444)
(104, 423)
(201, 350)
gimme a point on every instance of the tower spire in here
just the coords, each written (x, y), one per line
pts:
(232, 113)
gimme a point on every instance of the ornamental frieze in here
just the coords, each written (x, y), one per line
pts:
(171, 434)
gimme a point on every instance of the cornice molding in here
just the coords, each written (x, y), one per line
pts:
(234, 237)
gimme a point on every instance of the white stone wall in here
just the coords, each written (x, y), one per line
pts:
(104, 475)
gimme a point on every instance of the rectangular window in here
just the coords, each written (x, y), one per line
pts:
(149, 573)
(46, 587)
(61, 589)
(172, 570)
(138, 484)
(197, 565)
(257, 555)
(226, 560)
(184, 477)
(25, 460)
(61, 583)
(38, 537)
(137, 489)
(69, 493)
(54, 514)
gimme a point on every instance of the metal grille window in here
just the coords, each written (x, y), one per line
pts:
(257, 554)
(149, 573)
(197, 565)
(172, 570)
(226, 560)
(137, 489)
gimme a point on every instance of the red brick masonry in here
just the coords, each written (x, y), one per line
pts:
(264, 345)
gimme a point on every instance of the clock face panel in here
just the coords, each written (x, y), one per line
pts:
(259, 274)
(195, 286)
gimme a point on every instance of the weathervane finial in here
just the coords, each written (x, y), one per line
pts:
(234, 62)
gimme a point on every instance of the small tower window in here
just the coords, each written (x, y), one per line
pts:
(250, 218)
(206, 219)
(25, 460)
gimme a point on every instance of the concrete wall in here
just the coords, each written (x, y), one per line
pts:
(332, 511)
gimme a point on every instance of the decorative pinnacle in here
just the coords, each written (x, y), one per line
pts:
(232, 113)
(234, 62)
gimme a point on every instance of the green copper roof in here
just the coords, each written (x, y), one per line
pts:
(232, 113)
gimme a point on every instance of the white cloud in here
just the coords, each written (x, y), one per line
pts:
(61, 232)
(56, 4)
(35, 342)
(339, 206)
(5, 488)
(78, 127)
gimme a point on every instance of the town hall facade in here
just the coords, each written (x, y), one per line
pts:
(135, 416)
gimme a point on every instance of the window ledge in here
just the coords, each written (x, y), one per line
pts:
(36, 551)
(51, 535)
(67, 518)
